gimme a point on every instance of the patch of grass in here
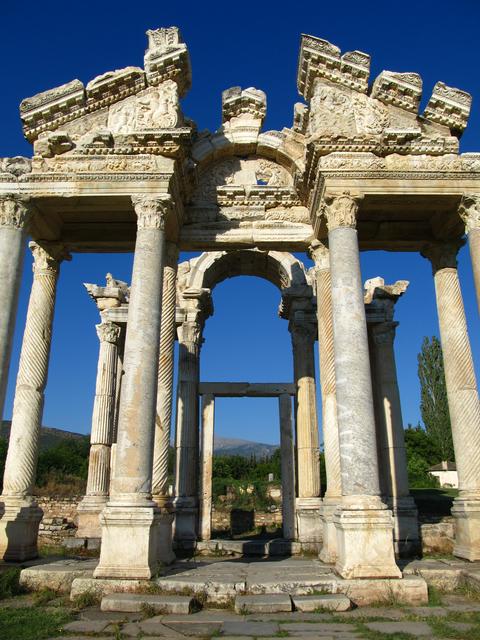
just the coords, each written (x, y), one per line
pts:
(86, 599)
(434, 596)
(281, 634)
(10, 583)
(33, 623)
(148, 610)
(468, 591)
(43, 596)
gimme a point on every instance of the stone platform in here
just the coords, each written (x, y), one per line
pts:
(255, 547)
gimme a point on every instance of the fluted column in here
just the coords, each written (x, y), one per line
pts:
(206, 464)
(187, 436)
(287, 462)
(165, 378)
(462, 395)
(308, 503)
(101, 437)
(391, 440)
(21, 515)
(130, 519)
(333, 495)
(469, 211)
(15, 212)
(364, 525)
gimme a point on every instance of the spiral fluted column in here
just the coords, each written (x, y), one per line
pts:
(15, 213)
(101, 437)
(333, 495)
(364, 525)
(462, 395)
(165, 378)
(21, 515)
(130, 519)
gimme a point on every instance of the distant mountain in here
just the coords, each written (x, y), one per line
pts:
(245, 448)
(49, 436)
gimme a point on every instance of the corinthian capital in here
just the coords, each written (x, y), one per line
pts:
(442, 255)
(108, 332)
(469, 211)
(341, 211)
(151, 211)
(47, 256)
(319, 253)
(15, 211)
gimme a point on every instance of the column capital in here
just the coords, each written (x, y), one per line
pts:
(15, 211)
(318, 251)
(383, 332)
(341, 210)
(108, 332)
(469, 211)
(47, 256)
(152, 211)
(190, 332)
(442, 255)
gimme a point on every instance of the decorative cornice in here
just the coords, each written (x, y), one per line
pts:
(469, 211)
(341, 211)
(152, 212)
(442, 255)
(15, 211)
(318, 251)
(47, 257)
(108, 332)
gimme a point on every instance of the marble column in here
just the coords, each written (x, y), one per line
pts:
(164, 406)
(15, 213)
(187, 436)
(469, 211)
(391, 440)
(130, 519)
(206, 464)
(364, 524)
(333, 495)
(287, 464)
(462, 395)
(308, 502)
(101, 438)
(20, 515)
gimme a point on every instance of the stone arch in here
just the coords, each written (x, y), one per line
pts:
(280, 268)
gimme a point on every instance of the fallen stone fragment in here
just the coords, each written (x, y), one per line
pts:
(330, 602)
(131, 602)
(266, 603)
(413, 628)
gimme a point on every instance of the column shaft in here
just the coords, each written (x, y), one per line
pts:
(14, 216)
(19, 525)
(130, 521)
(287, 462)
(206, 461)
(462, 395)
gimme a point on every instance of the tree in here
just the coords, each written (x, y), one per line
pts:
(433, 397)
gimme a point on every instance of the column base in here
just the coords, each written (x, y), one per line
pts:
(309, 524)
(328, 553)
(365, 539)
(19, 521)
(466, 512)
(165, 536)
(129, 542)
(186, 519)
(406, 535)
(88, 516)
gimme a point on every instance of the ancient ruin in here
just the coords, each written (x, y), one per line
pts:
(118, 167)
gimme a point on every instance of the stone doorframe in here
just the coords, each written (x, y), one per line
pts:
(209, 391)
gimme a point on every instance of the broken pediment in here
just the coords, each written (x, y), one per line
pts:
(345, 114)
(123, 101)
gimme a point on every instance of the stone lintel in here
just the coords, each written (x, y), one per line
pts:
(247, 389)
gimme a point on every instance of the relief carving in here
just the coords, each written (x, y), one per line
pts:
(154, 108)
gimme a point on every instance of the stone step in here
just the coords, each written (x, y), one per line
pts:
(328, 602)
(265, 603)
(133, 602)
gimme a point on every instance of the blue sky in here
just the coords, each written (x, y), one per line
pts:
(46, 44)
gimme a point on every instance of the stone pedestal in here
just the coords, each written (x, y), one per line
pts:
(130, 520)
(309, 526)
(21, 515)
(320, 254)
(462, 395)
(364, 525)
(15, 213)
